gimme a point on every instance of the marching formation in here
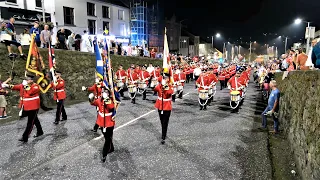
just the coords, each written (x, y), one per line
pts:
(167, 84)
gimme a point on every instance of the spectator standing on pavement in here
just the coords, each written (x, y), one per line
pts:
(71, 43)
(272, 108)
(129, 50)
(85, 42)
(316, 53)
(45, 37)
(3, 102)
(120, 49)
(35, 30)
(61, 39)
(25, 38)
(10, 29)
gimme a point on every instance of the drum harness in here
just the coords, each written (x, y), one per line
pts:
(141, 92)
(135, 93)
(203, 104)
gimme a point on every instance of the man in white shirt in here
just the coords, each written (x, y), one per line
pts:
(196, 73)
(150, 69)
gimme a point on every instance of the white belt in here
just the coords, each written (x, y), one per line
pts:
(160, 98)
(108, 114)
(61, 90)
(30, 99)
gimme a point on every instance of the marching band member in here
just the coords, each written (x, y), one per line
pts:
(164, 103)
(203, 83)
(121, 75)
(181, 79)
(105, 120)
(236, 83)
(96, 89)
(222, 79)
(144, 77)
(30, 103)
(133, 80)
(227, 74)
(212, 82)
(186, 70)
(59, 95)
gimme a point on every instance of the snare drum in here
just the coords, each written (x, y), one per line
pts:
(142, 85)
(132, 89)
(204, 94)
(154, 83)
(210, 91)
(120, 84)
(235, 96)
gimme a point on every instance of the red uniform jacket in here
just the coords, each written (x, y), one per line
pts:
(96, 89)
(212, 78)
(133, 77)
(144, 76)
(227, 75)
(104, 117)
(222, 76)
(155, 73)
(181, 78)
(167, 101)
(186, 70)
(236, 83)
(121, 74)
(203, 80)
(59, 91)
(30, 99)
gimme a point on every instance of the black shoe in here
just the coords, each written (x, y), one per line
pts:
(94, 130)
(12, 55)
(64, 119)
(163, 141)
(38, 135)
(103, 159)
(205, 108)
(22, 56)
(56, 122)
(144, 98)
(201, 108)
(23, 140)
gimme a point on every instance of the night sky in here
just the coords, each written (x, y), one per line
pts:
(247, 18)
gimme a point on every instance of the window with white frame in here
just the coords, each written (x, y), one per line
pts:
(68, 15)
(121, 14)
(38, 3)
(106, 26)
(105, 12)
(91, 9)
(92, 26)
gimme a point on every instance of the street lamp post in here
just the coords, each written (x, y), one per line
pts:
(224, 47)
(298, 21)
(285, 45)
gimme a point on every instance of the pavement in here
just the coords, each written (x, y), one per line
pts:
(212, 144)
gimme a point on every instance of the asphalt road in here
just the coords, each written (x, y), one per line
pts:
(212, 144)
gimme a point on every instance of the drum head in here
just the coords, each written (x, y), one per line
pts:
(203, 91)
(235, 93)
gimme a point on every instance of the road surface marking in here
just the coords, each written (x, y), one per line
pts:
(132, 121)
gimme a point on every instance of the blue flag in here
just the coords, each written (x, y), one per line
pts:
(99, 62)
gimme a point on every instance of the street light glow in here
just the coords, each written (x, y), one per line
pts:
(255, 41)
(298, 21)
(279, 37)
(218, 35)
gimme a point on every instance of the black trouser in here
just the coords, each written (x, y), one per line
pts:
(173, 97)
(38, 43)
(32, 120)
(181, 94)
(164, 119)
(60, 109)
(144, 95)
(210, 100)
(108, 145)
(202, 102)
(121, 92)
(191, 76)
(134, 99)
(187, 78)
(222, 84)
(196, 78)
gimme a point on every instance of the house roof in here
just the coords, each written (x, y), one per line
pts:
(122, 3)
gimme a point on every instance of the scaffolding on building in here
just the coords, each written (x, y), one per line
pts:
(139, 22)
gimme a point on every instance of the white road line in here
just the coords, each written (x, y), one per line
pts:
(132, 121)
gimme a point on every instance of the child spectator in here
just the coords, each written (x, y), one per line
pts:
(3, 102)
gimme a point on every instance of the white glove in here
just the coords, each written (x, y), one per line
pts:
(5, 85)
(24, 82)
(229, 87)
(83, 88)
(91, 96)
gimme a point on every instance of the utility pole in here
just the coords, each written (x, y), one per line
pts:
(308, 39)
(224, 52)
(43, 12)
(285, 45)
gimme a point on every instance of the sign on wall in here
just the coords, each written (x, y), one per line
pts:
(23, 15)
